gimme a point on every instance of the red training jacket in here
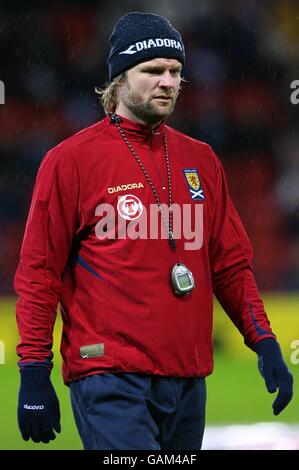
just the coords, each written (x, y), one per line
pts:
(119, 311)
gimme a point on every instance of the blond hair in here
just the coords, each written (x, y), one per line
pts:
(108, 94)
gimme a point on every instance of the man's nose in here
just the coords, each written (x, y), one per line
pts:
(167, 80)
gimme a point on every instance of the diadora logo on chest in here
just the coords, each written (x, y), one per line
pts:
(124, 187)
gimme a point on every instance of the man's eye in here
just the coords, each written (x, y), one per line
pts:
(174, 73)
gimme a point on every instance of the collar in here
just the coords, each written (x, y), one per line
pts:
(135, 131)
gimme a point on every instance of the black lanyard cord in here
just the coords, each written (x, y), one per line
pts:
(168, 224)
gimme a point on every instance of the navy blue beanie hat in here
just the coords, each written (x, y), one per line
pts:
(138, 37)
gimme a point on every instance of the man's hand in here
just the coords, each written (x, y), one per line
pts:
(275, 372)
(38, 408)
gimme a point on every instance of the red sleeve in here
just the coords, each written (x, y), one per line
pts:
(231, 262)
(47, 241)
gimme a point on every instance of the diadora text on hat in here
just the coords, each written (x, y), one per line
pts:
(147, 44)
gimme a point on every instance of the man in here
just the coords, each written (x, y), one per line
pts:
(136, 307)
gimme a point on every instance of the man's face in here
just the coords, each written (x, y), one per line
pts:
(150, 90)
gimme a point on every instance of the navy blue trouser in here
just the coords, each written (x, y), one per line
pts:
(134, 411)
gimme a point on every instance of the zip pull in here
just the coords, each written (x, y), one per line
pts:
(114, 119)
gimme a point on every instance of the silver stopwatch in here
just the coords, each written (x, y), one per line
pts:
(182, 279)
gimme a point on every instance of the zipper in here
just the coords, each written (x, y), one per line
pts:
(153, 160)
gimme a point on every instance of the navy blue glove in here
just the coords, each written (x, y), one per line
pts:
(275, 372)
(38, 408)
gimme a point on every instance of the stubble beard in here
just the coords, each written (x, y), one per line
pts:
(145, 110)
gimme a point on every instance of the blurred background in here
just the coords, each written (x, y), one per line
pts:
(241, 58)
